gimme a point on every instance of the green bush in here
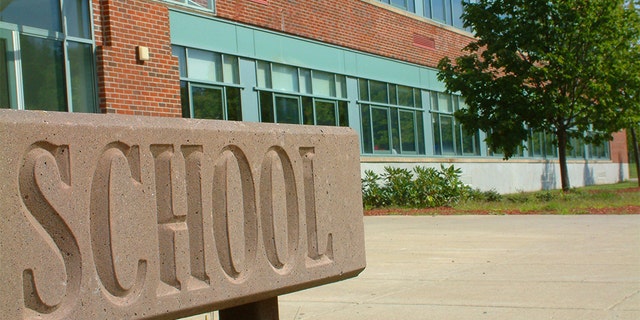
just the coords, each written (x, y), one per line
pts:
(486, 196)
(520, 197)
(545, 196)
(422, 187)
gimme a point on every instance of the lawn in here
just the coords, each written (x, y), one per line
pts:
(620, 198)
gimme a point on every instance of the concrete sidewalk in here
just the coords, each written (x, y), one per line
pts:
(487, 267)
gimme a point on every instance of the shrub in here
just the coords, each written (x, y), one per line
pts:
(545, 196)
(422, 187)
(491, 196)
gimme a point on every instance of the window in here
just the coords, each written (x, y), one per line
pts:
(449, 137)
(598, 150)
(198, 4)
(576, 148)
(408, 5)
(209, 86)
(47, 65)
(445, 11)
(295, 95)
(542, 145)
(392, 118)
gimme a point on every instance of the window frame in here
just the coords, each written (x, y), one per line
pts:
(182, 53)
(304, 88)
(189, 4)
(393, 115)
(453, 104)
(13, 32)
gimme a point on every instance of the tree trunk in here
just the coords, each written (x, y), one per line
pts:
(562, 156)
(634, 141)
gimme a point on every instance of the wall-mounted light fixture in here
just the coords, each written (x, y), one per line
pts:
(143, 53)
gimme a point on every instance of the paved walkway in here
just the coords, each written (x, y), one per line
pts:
(487, 267)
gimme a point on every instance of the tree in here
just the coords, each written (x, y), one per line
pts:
(565, 67)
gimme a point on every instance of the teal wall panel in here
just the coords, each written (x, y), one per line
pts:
(198, 32)
(250, 42)
(246, 45)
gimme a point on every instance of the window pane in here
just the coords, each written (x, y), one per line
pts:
(184, 99)
(378, 91)
(182, 59)
(393, 97)
(407, 130)
(43, 14)
(427, 8)
(5, 99)
(325, 113)
(434, 101)
(456, 12)
(287, 110)
(399, 3)
(343, 114)
(284, 77)
(363, 86)
(367, 145)
(266, 107)
(81, 69)
(307, 111)
(324, 84)
(341, 86)
(380, 119)
(405, 96)
(444, 102)
(420, 137)
(305, 81)
(417, 98)
(234, 105)
(204, 65)
(207, 102)
(467, 145)
(43, 74)
(264, 75)
(230, 70)
(535, 144)
(446, 125)
(438, 10)
(395, 131)
(437, 141)
(76, 13)
(550, 148)
(207, 4)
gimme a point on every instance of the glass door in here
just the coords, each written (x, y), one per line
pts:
(8, 89)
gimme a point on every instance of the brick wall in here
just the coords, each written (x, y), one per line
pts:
(618, 148)
(356, 24)
(126, 85)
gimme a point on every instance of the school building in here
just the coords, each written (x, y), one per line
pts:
(366, 64)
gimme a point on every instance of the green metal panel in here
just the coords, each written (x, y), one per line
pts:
(246, 45)
(382, 69)
(250, 42)
(429, 80)
(198, 32)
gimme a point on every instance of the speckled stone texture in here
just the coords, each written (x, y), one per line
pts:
(114, 217)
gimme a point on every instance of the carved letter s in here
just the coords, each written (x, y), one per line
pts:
(45, 190)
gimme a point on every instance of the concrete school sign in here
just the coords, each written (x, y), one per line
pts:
(120, 217)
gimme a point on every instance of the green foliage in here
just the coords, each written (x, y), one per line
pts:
(545, 196)
(486, 196)
(420, 188)
(564, 67)
(520, 197)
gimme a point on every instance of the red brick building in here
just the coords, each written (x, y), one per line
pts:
(367, 64)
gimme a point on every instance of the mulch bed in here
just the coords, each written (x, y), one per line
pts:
(447, 211)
